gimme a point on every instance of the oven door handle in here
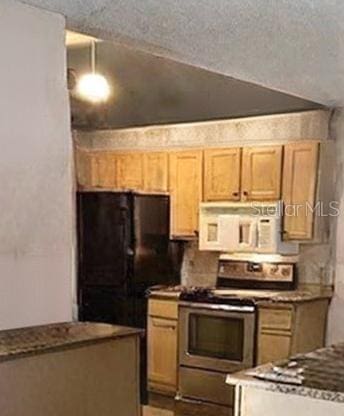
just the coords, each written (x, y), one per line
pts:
(217, 307)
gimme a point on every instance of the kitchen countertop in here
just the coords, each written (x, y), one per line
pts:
(15, 343)
(262, 298)
(318, 375)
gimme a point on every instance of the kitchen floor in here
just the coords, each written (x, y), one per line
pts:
(164, 406)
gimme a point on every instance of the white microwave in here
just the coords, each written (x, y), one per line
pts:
(243, 227)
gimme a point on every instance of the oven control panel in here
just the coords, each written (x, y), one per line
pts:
(245, 270)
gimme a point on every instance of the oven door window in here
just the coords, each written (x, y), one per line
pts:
(216, 337)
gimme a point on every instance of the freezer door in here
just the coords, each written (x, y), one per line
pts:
(105, 238)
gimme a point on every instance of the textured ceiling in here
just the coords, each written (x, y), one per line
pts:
(296, 46)
(77, 39)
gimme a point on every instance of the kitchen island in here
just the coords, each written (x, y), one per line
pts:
(308, 384)
(78, 369)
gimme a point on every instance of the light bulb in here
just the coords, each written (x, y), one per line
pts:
(93, 87)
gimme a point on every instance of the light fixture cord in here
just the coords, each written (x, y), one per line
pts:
(93, 57)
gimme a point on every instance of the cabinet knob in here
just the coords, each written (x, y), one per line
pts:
(245, 193)
(235, 193)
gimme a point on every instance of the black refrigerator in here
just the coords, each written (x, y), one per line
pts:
(123, 249)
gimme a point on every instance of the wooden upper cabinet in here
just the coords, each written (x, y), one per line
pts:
(299, 187)
(222, 174)
(83, 167)
(185, 173)
(156, 172)
(96, 169)
(130, 171)
(261, 173)
(104, 169)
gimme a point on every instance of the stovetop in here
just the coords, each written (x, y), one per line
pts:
(224, 295)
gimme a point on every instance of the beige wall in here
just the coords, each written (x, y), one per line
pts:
(36, 258)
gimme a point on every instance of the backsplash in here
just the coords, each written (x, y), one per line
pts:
(199, 268)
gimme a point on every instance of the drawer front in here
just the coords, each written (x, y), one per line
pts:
(208, 386)
(163, 308)
(275, 319)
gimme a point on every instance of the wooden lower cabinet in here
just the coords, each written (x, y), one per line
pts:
(162, 346)
(283, 330)
(290, 329)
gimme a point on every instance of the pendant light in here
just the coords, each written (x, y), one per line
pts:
(93, 87)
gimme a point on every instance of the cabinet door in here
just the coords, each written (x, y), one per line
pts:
(273, 347)
(162, 353)
(299, 187)
(275, 328)
(130, 171)
(186, 192)
(261, 173)
(83, 167)
(96, 169)
(222, 174)
(156, 172)
(103, 169)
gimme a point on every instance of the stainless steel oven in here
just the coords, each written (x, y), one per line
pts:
(214, 340)
(218, 337)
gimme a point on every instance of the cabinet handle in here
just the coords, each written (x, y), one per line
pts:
(235, 193)
(284, 235)
(162, 324)
(245, 193)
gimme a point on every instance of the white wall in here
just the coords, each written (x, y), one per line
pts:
(36, 255)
